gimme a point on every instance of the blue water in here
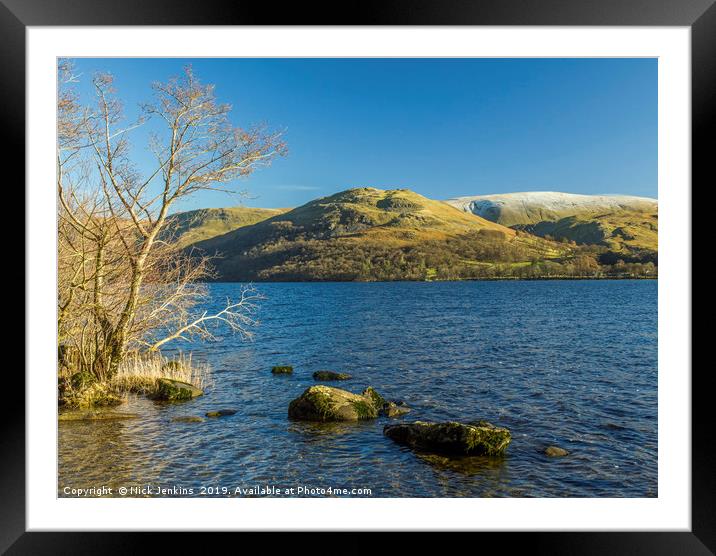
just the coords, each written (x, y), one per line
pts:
(567, 363)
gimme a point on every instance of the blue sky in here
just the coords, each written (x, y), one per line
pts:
(441, 127)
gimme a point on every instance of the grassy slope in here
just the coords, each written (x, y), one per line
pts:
(197, 225)
(626, 226)
(368, 233)
(533, 214)
(621, 232)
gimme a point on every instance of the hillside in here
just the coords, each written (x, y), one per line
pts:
(197, 225)
(626, 227)
(628, 235)
(373, 234)
(511, 209)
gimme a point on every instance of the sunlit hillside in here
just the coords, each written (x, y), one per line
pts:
(369, 234)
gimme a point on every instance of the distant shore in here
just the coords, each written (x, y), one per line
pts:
(496, 279)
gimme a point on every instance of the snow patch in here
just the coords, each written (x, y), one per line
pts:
(492, 206)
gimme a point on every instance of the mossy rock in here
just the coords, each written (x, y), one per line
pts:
(188, 419)
(96, 394)
(330, 375)
(175, 390)
(325, 403)
(555, 452)
(394, 409)
(451, 438)
(377, 400)
(95, 416)
(282, 370)
(221, 413)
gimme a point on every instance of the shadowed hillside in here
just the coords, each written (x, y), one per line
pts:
(628, 233)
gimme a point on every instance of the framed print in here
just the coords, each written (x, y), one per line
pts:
(427, 268)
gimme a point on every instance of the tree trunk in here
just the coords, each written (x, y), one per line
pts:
(117, 344)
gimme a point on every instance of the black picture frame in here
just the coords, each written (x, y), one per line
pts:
(699, 15)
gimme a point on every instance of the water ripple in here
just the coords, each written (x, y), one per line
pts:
(566, 363)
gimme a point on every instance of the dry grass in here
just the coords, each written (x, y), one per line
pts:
(139, 373)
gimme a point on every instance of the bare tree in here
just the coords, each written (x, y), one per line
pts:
(123, 279)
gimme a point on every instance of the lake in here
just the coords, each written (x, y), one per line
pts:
(566, 363)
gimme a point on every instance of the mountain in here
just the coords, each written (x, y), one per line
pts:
(532, 207)
(626, 226)
(373, 234)
(197, 225)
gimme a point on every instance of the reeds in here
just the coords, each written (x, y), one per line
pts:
(138, 373)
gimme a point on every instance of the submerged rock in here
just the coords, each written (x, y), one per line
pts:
(330, 375)
(465, 465)
(188, 419)
(221, 413)
(451, 438)
(326, 403)
(175, 390)
(555, 452)
(282, 370)
(94, 416)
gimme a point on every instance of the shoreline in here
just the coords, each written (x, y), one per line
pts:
(496, 279)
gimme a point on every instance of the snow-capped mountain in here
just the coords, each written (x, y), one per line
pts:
(531, 207)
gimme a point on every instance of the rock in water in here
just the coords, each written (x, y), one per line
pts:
(555, 452)
(325, 403)
(175, 390)
(188, 419)
(282, 370)
(375, 398)
(394, 409)
(330, 375)
(221, 413)
(451, 438)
